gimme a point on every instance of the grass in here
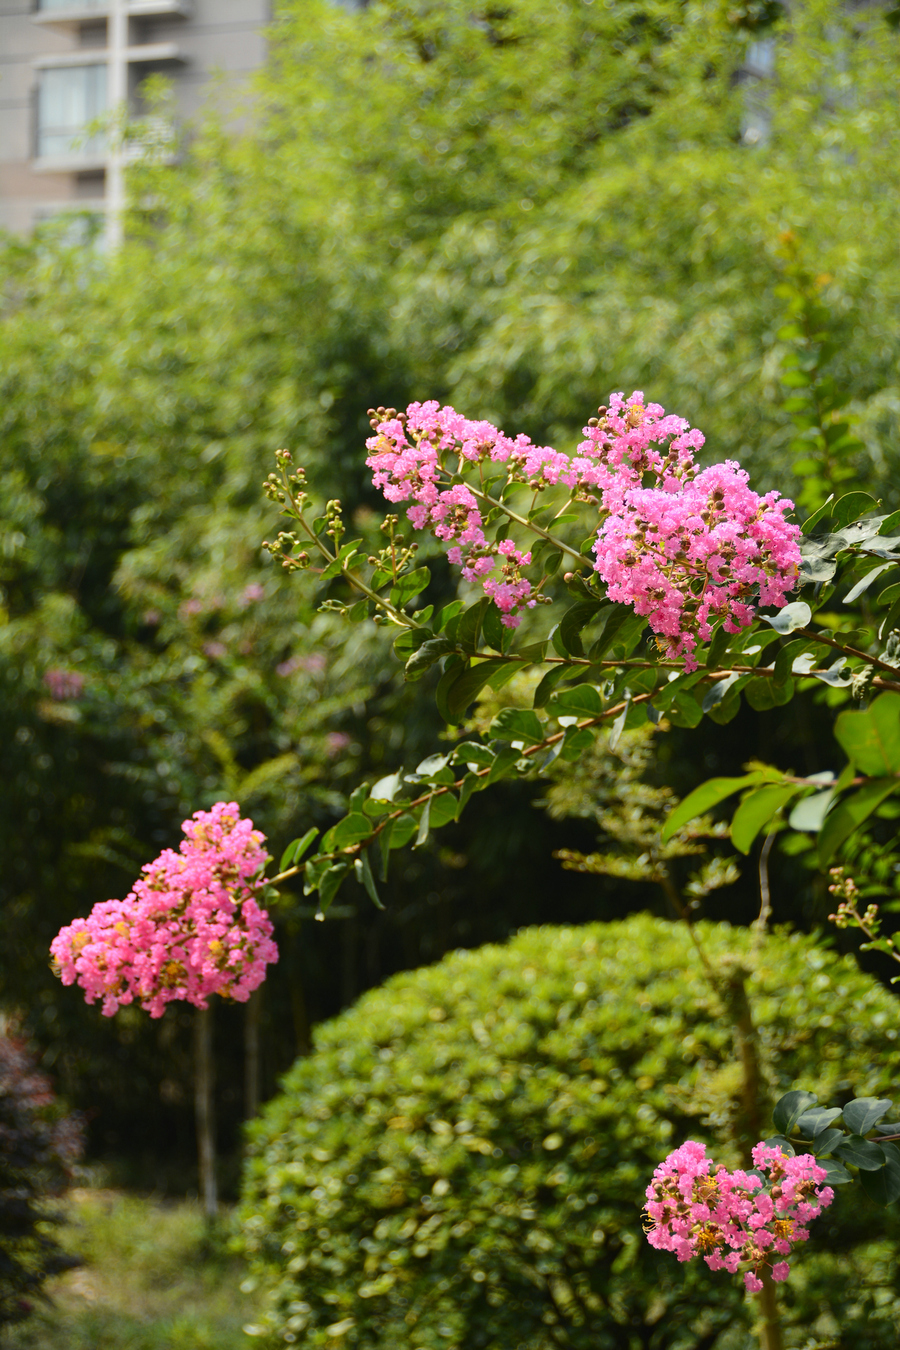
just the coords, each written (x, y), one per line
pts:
(151, 1280)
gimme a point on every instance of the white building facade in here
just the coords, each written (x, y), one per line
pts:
(66, 64)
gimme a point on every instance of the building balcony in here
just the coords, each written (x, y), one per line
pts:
(71, 14)
(141, 54)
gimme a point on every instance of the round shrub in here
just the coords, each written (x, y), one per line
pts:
(38, 1144)
(460, 1165)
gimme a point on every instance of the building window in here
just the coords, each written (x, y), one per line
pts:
(70, 98)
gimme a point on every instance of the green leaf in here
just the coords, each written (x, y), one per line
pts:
(581, 701)
(822, 513)
(506, 760)
(296, 849)
(809, 814)
(468, 630)
(795, 379)
(871, 739)
(574, 743)
(825, 1140)
(386, 789)
(852, 812)
(447, 613)
(717, 647)
(518, 724)
(502, 672)
(864, 584)
(575, 619)
(889, 594)
(685, 711)
(365, 878)
(549, 682)
(434, 769)
(863, 1113)
(851, 506)
(405, 827)
(861, 1153)
(410, 640)
(463, 688)
(495, 634)
(384, 848)
(812, 1123)
(471, 783)
(348, 831)
(337, 566)
(890, 523)
(763, 693)
(790, 618)
(718, 692)
(702, 799)
(883, 1186)
(424, 825)
(835, 1173)
(472, 752)
(453, 670)
(330, 884)
(409, 585)
(443, 809)
(790, 1107)
(425, 657)
(756, 810)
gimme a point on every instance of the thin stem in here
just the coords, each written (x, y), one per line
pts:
(848, 651)
(535, 529)
(765, 906)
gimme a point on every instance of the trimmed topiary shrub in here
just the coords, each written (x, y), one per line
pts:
(461, 1163)
(38, 1145)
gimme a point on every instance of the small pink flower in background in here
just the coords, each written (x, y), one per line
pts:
(151, 617)
(312, 664)
(335, 742)
(734, 1219)
(214, 650)
(64, 685)
(190, 927)
(190, 608)
(251, 593)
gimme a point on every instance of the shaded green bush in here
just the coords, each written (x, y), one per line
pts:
(38, 1144)
(461, 1162)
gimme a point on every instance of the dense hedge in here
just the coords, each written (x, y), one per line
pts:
(38, 1144)
(460, 1164)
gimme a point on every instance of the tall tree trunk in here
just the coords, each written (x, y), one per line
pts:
(252, 1013)
(204, 1081)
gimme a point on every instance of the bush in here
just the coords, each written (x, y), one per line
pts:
(38, 1145)
(461, 1162)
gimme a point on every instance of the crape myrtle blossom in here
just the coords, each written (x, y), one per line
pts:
(738, 1219)
(191, 926)
(686, 547)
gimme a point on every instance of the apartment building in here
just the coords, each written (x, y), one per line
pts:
(65, 63)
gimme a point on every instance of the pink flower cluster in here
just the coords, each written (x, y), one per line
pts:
(735, 1219)
(64, 685)
(692, 546)
(191, 926)
(685, 549)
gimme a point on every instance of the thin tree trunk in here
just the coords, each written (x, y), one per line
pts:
(251, 1053)
(770, 1337)
(204, 1080)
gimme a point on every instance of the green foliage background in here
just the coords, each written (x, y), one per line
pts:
(461, 1160)
(517, 211)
